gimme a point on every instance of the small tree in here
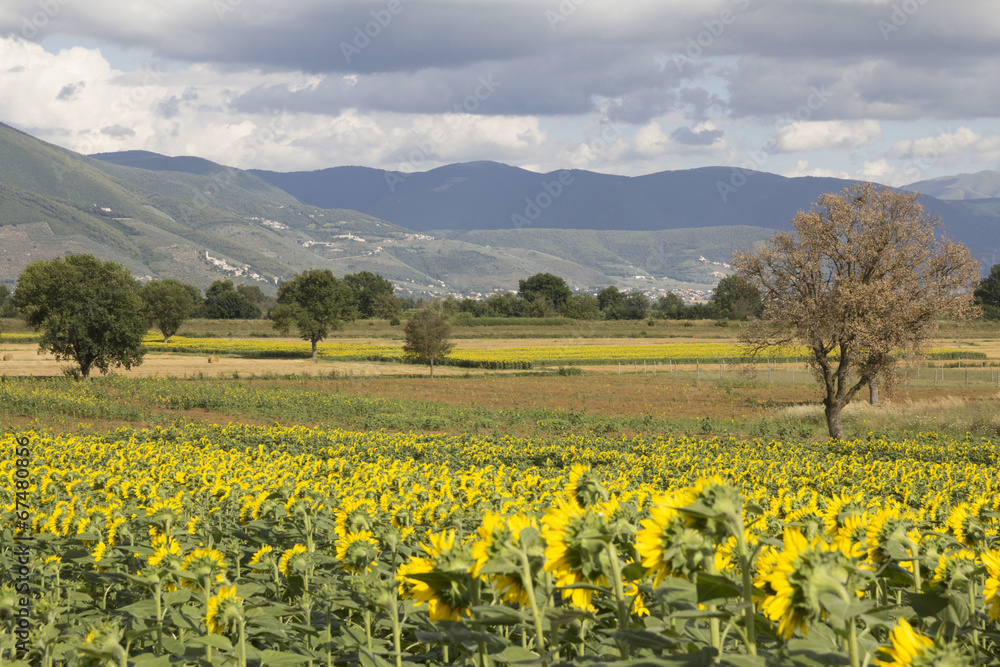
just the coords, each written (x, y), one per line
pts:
(861, 279)
(736, 298)
(428, 336)
(169, 303)
(988, 294)
(87, 310)
(314, 302)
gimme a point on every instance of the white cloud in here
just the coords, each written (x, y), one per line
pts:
(949, 148)
(822, 135)
(801, 168)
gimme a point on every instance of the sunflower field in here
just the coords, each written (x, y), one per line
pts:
(523, 357)
(197, 544)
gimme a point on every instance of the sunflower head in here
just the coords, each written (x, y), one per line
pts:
(358, 552)
(225, 609)
(585, 486)
(441, 579)
(991, 590)
(294, 561)
(798, 578)
(207, 566)
(912, 649)
(955, 569)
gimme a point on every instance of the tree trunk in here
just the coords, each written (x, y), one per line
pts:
(166, 338)
(314, 349)
(833, 420)
(873, 390)
(432, 366)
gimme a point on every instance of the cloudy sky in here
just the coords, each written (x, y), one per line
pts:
(887, 90)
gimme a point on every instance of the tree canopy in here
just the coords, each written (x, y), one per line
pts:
(226, 301)
(987, 294)
(860, 280)
(428, 336)
(551, 288)
(87, 310)
(736, 298)
(168, 304)
(314, 302)
(374, 295)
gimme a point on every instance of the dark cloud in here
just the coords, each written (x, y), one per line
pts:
(69, 90)
(689, 137)
(171, 107)
(118, 131)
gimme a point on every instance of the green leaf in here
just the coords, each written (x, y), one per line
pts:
(144, 609)
(281, 659)
(716, 587)
(213, 640)
(633, 572)
(645, 639)
(496, 615)
(516, 655)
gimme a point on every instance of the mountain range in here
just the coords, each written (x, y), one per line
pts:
(464, 228)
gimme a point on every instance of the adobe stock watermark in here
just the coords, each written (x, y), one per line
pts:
(698, 43)
(426, 145)
(899, 17)
(756, 159)
(47, 11)
(550, 191)
(562, 13)
(364, 34)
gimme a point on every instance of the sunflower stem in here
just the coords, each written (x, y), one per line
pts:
(852, 642)
(975, 621)
(616, 575)
(536, 614)
(745, 567)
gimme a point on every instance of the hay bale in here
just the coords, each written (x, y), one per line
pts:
(213, 360)
(8, 357)
(40, 352)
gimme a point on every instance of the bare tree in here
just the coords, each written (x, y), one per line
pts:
(859, 282)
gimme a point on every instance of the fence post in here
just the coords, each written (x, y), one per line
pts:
(643, 366)
(619, 368)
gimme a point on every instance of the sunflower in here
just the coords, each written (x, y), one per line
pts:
(669, 543)
(954, 566)
(798, 576)
(169, 550)
(584, 487)
(98, 552)
(839, 509)
(448, 593)
(207, 565)
(576, 550)
(265, 552)
(991, 591)
(498, 538)
(223, 609)
(290, 560)
(358, 551)
(907, 646)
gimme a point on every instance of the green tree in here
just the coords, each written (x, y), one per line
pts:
(428, 336)
(169, 303)
(87, 310)
(582, 307)
(861, 278)
(987, 294)
(545, 285)
(6, 302)
(314, 302)
(224, 302)
(374, 296)
(670, 307)
(736, 298)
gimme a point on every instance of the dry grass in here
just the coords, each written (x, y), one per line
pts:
(978, 413)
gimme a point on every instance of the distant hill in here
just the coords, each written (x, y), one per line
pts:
(460, 229)
(980, 185)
